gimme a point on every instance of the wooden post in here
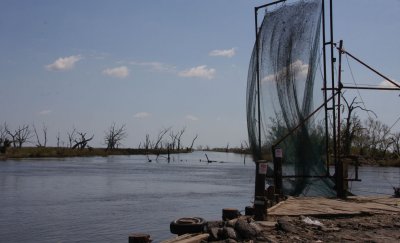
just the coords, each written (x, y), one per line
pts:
(139, 238)
(230, 213)
(277, 156)
(249, 211)
(259, 198)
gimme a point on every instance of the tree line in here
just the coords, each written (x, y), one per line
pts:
(114, 136)
(368, 138)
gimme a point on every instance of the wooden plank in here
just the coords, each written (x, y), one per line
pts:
(326, 207)
(188, 239)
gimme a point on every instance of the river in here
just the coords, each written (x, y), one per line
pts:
(104, 199)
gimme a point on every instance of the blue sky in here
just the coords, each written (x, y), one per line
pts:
(157, 64)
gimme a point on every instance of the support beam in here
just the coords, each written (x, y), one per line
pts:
(260, 212)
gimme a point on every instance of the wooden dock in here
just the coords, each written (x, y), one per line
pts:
(318, 206)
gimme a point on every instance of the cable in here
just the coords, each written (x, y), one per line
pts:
(398, 119)
(355, 83)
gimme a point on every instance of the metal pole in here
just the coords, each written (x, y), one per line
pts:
(259, 199)
(258, 81)
(340, 172)
(303, 121)
(277, 158)
(325, 86)
(335, 155)
(260, 211)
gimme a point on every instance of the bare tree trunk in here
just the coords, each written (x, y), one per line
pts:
(114, 136)
(71, 137)
(82, 142)
(160, 137)
(194, 139)
(58, 139)
(181, 132)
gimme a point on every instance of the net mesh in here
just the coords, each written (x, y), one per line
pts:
(288, 57)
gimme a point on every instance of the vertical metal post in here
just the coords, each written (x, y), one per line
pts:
(325, 88)
(335, 154)
(258, 79)
(259, 198)
(341, 192)
(259, 201)
(277, 157)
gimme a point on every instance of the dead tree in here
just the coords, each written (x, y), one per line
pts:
(58, 139)
(38, 141)
(10, 135)
(147, 142)
(114, 135)
(352, 126)
(179, 137)
(160, 137)
(194, 139)
(4, 141)
(71, 137)
(81, 141)
(19, 136)
(173, 138)
(3, 132)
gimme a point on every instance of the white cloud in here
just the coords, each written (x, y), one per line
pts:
(387, 84)
(223, 53)
(191, 117)
(198, 72)
(118, 72)
(141, 115)
(45, 112)
(156, 66)
(63, 63)
(298, 68)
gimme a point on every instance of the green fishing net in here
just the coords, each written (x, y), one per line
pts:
(288, 57)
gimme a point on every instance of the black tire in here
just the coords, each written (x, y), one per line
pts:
(187, 226)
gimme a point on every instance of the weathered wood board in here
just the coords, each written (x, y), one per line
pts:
(318, 206)
(188, 238)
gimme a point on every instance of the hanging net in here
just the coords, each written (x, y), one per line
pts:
(287, 58)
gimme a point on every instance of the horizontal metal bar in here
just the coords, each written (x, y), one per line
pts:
(367, 66)
(269, 4)
(302, 176)
(310, 176)
(329, 88)
(372, 88)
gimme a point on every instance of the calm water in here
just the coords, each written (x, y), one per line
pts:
(104, 199)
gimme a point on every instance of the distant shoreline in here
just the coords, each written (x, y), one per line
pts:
(62, 152)
(54, 152)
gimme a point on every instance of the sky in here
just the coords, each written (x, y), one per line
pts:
(152, 65)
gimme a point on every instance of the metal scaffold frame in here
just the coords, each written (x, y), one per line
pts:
(332, 91)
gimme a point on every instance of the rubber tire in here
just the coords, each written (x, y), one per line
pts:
(187, 225)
